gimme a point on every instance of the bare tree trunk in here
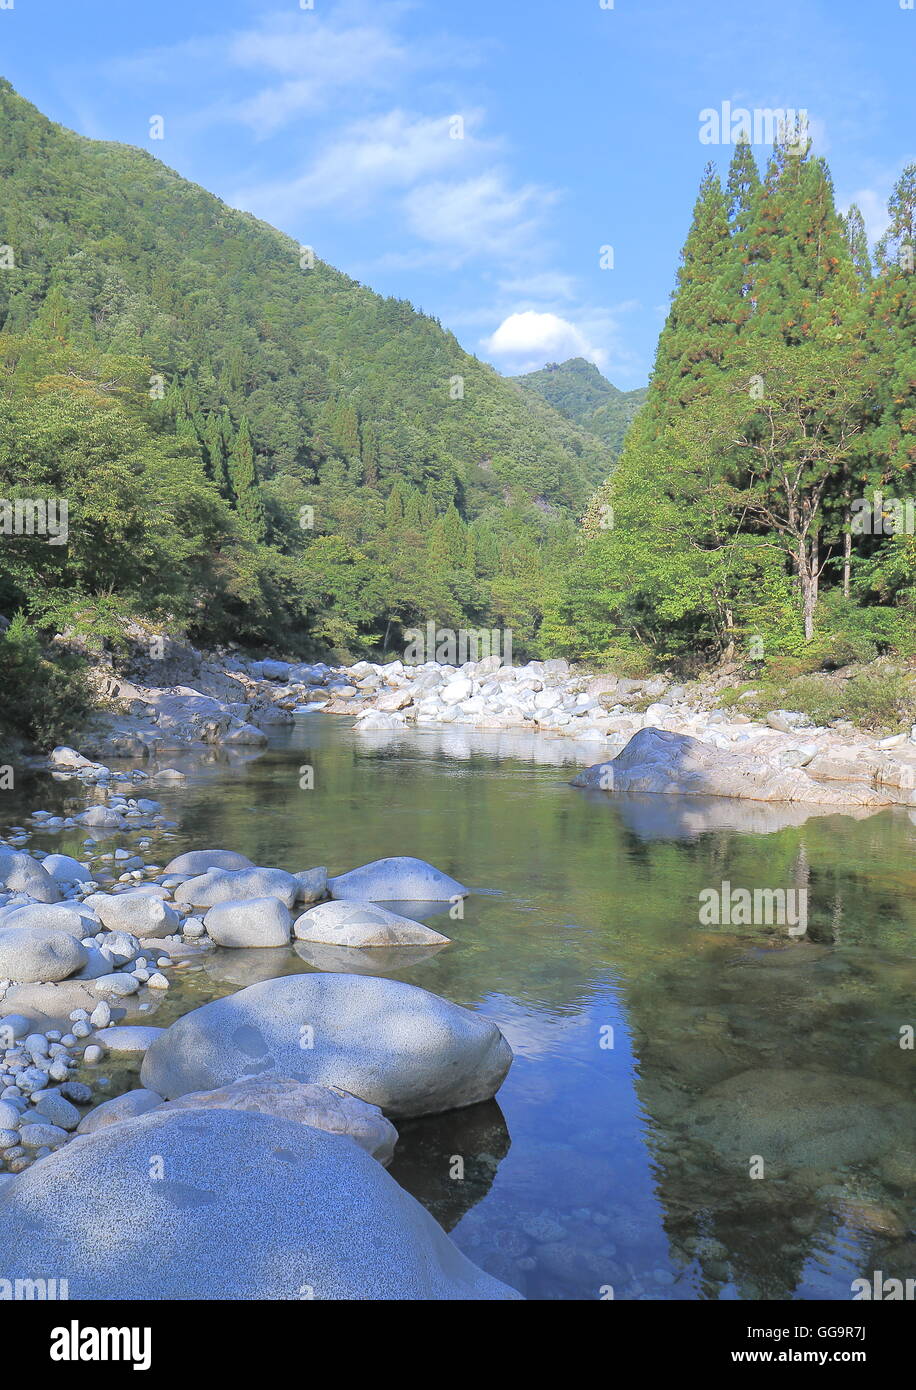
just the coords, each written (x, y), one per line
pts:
(806, 565)
(847, 546)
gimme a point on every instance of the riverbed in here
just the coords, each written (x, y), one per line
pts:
(694, 1111)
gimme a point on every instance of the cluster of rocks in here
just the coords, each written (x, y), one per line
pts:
(80, 950)
(786, 756)
(230, 701)
(270, 1110)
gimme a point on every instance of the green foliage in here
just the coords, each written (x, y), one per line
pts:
(228, 423)
(879, 700)
(783, 395)
(44, 701)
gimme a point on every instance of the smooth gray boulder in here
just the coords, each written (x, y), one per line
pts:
(655, 760)
(227, 885)
(128, 1038)
(250, 922)
(66, 917)
(198, 861)
(362, 960)
(66, 869)
(363, 925)
(141, 914)
(240, 1206)
(399, 878)
(324, 1107)
(38, 955)
(124, 1107)
(20, 873)
(50, 1004)
(102, 818)
(392, 1044)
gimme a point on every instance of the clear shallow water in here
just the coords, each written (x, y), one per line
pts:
(623, 1165)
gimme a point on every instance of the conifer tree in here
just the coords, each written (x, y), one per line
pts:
(244, 482)
(700, 323)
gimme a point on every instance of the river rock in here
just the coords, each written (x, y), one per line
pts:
(66, 917)
(399, 878)
(225, 885)
(141, 914)
(363, 925)
(66, 869)
(250, 1207)
(129, 1038)
(802, 1119)
(37, 955)
(40, 1136)
(102, 818)
(389, 1043)
(655, 760)
(324, 1107)
(313, 885)
(54, 1109)
(125, 1107)
(250, 922)
(20, 873)
(198, 861)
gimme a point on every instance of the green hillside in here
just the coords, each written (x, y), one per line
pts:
(578, 390)
(287, 456)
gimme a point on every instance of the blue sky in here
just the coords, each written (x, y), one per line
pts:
(580, 131)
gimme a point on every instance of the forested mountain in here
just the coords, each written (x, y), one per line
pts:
(577, 389)
(251, 443)
(763, 505)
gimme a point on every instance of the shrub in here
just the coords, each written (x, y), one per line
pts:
(44, 702)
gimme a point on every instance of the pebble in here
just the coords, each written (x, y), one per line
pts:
(93, 1055)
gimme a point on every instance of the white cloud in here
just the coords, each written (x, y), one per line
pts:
(481, 215)
(529, 339)
(369, 157)
(319, 60)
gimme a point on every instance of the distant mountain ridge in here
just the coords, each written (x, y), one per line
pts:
(578, 390)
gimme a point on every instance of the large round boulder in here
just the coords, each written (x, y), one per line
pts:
(250, 922)
(198, 861)
(36, 955)
(228, 885)
(363, 925)
(142, 914)
(392, 1044)
(232, 1205)
(66, 869)
(398, 879)
(20, 873)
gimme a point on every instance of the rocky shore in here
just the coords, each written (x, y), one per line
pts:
(229, 702)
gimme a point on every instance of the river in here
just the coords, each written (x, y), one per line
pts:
(694, 1111)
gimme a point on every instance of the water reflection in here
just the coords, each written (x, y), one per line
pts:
(448, 1162)
(655, 1056)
